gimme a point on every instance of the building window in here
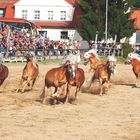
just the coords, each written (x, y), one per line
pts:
(24, 14)
(50, 15)
(62, 15)
(1, 13)
(36, 14)
(64, 35)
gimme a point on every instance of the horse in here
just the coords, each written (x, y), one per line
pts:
(67, 73)
(134, 60)
(92, 57)
(3, 73)
(103, 73)
(76, 80)
(29, 74)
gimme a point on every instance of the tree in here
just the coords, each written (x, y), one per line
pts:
(137, 4)
(94, 16)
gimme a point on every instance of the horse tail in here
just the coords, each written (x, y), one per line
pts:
(41, 95)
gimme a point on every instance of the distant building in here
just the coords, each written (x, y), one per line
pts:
(57, 18)
(135, 39)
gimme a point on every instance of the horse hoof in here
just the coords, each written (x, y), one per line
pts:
(101, 94)
(137, 85)
(39, 100)
(22, 91)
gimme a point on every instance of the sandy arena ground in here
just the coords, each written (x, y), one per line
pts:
(114, 116)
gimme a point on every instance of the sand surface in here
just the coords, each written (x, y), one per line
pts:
(114, 116)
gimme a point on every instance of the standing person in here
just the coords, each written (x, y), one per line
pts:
(76, 45)
(138, 50)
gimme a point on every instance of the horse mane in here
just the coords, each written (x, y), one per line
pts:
(134, 56)
(93, 52)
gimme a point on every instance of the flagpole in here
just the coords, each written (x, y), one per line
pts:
(106, 24)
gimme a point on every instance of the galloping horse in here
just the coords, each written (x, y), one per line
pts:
(103, 73)
(68, 73)
(58, 77)
(76, 79)
(92, 57)
(29, 74)
(3, 73)
(134, 60)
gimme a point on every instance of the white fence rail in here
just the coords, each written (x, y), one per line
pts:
(44, 55)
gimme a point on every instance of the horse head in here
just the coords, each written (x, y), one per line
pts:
(71, 68)
(112, 64)
(90, 54)
(132, 56)
(29, 56)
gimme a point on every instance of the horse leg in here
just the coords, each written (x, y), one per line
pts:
(25, 84)
(138, 82)
(20, 84)
(76, 92)
(42, 94)
(63, 88)
(55, 92)
(33, 82)
(68, 93)
(101, 86)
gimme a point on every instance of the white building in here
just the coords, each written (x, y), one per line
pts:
(56, 17)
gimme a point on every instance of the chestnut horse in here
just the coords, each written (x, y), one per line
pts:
(3, 73)
(92, 57)
(58, 77)
(134, 60)
(103, 73)
(29, 74)
(76, 80)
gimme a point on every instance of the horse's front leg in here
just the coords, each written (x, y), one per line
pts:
(76, 92)
(32, 83)
(68, 92)
(20, 84)
(25, 83)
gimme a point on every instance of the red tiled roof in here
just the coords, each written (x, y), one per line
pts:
(73, 1)
(9, 6)
(53, 24)
(8, 2)
(136, 15)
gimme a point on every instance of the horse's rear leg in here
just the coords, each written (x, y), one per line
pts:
(101, 86)
(138, 82)
(42, 94)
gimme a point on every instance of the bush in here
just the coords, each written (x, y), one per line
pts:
(127, 48)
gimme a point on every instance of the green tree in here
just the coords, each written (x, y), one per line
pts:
(137, 4)
(94, 16)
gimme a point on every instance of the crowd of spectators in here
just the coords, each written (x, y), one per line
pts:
(16, 41)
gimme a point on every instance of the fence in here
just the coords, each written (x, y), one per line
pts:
(44, 55)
